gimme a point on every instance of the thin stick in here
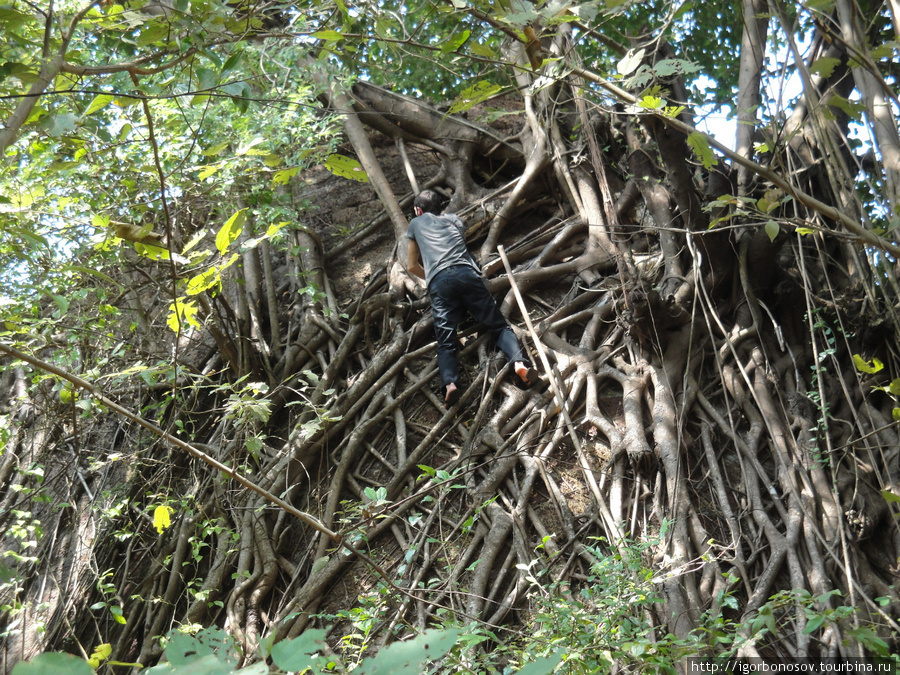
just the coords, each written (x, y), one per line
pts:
(557, 391)
(401, 146)
(304, 517)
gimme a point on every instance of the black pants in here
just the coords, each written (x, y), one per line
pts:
(461, 288)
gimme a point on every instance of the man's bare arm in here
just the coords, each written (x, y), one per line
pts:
(414, 259)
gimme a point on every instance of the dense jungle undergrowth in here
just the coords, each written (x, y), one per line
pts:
(223, 442)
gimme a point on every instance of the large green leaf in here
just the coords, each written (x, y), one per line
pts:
(184, 648)
(411, 656)
(869, 367)
(478, 92)
(53, 663)
(543, 666)
(99, 103)
(231, 230)
(59, 125)
(455, 42)
(700, 145)
(197, 665)
(301, 652)
(346, 167)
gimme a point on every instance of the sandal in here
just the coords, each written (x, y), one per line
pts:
(527, 376)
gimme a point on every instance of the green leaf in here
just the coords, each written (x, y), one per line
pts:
(283, 176)
(651, 103)
(53, 663)
(206, 78)
(700, 145)
(272, 160)
(230, 231)
(275, 228)
(301, 652)
(409, 657)
(883, 51)
(669, 67)
(153, 33)
(33, 239)
(212, 643)
(813, 624)
(890, 497)
(327, 35)
(215, 150)
(853, 109)
(873, 643)
(151, 251)
(767, 619)
(455, 42)
(203, 281)
(319, 565)
(181, 311)
(471, 96)
(346, 167)
(117, 613)
(248, 147)
(10, 19)
(62, 303)
(864, 366)
(59, 125)
(543, 666)
(208, 171)
(772, 229)
(824, 66)
(482, 50)
(100, 653)
(99, 103)
(521, 18)
(207, 664)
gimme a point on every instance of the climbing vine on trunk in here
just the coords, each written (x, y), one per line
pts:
(709, 465)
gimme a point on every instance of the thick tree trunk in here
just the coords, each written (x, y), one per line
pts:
(700, 435)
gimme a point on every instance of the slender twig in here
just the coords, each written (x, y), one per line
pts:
(304, 517)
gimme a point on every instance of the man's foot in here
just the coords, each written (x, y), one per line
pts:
(527, 375)
(451, 395)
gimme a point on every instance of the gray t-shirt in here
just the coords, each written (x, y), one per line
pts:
(442, 243)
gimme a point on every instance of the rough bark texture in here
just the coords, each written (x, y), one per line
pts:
(701, 378)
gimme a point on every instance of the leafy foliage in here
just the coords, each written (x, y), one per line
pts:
(213, 652)
(152, 162)
(87, 158)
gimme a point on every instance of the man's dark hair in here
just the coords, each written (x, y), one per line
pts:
(429, 201)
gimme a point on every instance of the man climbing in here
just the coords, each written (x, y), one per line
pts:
(438, 254)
